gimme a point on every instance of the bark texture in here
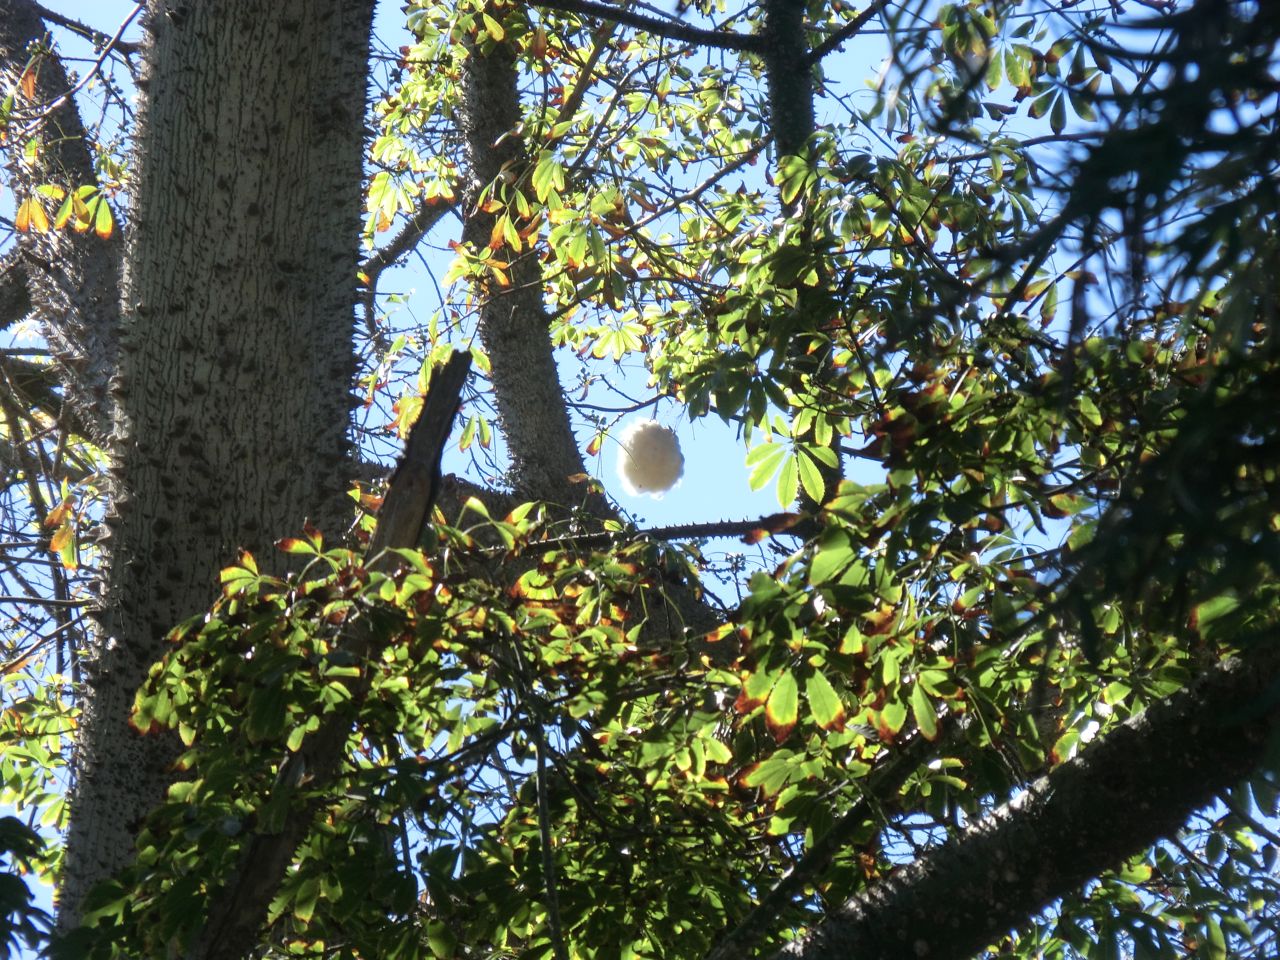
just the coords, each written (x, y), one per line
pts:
(236, 350)
(1116, 798)
(789, 75)
(513, 321)
(70, 281)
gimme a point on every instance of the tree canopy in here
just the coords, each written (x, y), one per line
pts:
(985, 289)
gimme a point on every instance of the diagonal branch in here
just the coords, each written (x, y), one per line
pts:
(96, 37)
(884, 783)
(847, 32)
(89, 75)
(428, 213)
(1131, 789)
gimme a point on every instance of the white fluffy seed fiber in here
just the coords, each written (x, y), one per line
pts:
(649, 461)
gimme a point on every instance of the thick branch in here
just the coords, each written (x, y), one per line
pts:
(789, 74)
(416, 483)
(15, 291)
(514, 325)
(883, 784)
(671, 29)
(1136, 786)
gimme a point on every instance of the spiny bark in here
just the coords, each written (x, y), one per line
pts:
(1116, 798)
(15, 290)
(789, 75)
(72, 279)
(514, 325)
(236, 351)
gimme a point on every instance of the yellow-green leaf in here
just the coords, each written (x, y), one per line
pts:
(828, 711)
(781, 710)
(922, 709)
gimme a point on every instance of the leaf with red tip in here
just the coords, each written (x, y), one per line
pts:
(755, 689)
(782, 708)
(828, 711)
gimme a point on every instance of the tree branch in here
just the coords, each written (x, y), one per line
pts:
(1136, 786)
(513, 323)
(775, 523)
(847, 32)
(96, 37)
(84, 81)
(73, 280)
(424, 218)
(416, 481)
(671, 29)
(882, 784)
(15, 291)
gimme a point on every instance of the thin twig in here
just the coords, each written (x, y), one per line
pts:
(671, 29)
(89, 74)
(425, 217)
(44, 601)
(888, 780)
(75, 26)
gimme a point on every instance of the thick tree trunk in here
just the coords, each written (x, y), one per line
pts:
(236, 350)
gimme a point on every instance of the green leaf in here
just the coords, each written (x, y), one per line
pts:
(1089, 410)
(835, 553)
(493, 27)
(441, 940)
(782, 708)
(764, 461)
(548, 176)
(1216, 940)
(304, 900)
(922, 709)
(828, 711)
(788, 481)
(810, 476)
(892, 717)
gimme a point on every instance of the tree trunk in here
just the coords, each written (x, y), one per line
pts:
(514, 325)
(236, 354)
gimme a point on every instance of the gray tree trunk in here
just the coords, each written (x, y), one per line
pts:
(231, 426)
(514, 325)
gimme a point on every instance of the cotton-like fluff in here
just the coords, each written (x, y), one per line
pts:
(649, 458)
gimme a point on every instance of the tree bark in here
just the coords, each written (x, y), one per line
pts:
(514, 325)
(1119, 796)
(236, 356)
